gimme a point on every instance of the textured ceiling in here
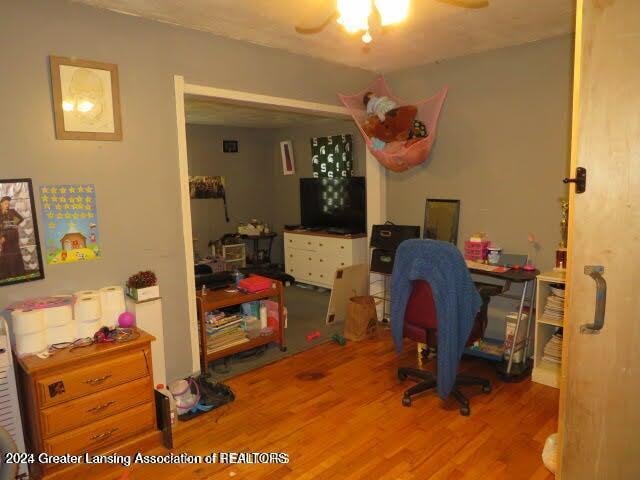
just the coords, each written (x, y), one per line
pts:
(205, 111)
(434, 30)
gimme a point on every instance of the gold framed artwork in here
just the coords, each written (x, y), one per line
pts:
(86, 99)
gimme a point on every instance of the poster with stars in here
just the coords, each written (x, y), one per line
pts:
(71, 223)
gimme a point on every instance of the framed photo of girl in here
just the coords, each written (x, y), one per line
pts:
(20, 254)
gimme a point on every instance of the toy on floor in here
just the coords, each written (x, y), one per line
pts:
(339, 339)
(313, 335)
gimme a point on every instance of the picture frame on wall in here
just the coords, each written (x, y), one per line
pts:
(441, 219)
(229, 146)
(20, 253)
(288, 162)
(86, 99)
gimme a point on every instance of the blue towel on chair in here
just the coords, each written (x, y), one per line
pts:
(456, 299)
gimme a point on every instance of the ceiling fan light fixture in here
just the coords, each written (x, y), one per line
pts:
(354, 14)
(392, 11)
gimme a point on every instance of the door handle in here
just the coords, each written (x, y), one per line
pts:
(595, 272)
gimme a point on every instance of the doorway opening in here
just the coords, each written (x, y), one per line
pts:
(237, 138)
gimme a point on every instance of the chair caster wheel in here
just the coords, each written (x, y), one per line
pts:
(486, 389)
(465, 411)
(402, 376)
(406, 401)
(283, 349)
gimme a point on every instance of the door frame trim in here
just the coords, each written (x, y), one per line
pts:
(375, 174)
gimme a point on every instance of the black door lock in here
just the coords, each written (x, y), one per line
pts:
(580, 180)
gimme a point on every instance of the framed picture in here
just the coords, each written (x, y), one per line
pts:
(441, 218)
(20, 255)
(206, 187)
(229, 146)
(288, 165)
(86, 99)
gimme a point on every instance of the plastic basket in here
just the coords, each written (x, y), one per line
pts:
(476, 250)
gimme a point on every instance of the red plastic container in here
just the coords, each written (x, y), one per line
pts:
(476, 250)
(255, 283)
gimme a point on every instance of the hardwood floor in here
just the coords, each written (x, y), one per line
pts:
(337, 412)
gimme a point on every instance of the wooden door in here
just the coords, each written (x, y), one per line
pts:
(600, 385)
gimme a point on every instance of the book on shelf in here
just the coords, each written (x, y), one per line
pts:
(552, 351)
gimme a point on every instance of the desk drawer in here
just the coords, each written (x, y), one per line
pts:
(64, 386)
(103, 432)
(90, 408)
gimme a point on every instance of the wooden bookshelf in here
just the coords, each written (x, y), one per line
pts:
(218, 299)
(544, 371)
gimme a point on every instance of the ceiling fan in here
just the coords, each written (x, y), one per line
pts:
(361, 15)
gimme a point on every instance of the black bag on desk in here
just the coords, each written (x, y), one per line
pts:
(389, 236)
(382, 261)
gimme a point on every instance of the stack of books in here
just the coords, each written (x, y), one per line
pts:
(554, 309)
(553, 348)
(224, 331)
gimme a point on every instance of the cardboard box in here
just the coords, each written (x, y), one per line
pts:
(510, 328)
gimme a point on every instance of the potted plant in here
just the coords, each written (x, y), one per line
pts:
(143, 286)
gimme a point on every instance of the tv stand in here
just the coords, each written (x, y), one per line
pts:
(314, 257)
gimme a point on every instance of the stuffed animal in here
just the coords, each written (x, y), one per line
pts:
(388, 122)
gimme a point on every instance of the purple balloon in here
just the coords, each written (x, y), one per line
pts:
(127, 320)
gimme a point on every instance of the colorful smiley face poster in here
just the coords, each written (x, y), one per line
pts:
(71, 223)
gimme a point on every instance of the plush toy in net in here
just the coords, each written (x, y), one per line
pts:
(398, 134)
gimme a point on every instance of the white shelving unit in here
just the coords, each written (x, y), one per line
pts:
(544, 371)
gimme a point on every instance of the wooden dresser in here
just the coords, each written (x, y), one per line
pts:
(96, 399)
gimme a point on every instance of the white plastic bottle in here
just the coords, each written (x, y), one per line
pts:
(172, 402)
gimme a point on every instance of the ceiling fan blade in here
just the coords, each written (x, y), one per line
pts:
(317, 28)
(466, 3)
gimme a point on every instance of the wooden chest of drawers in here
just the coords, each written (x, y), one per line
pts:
(96, 399)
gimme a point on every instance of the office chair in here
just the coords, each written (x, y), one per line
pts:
(421, 325)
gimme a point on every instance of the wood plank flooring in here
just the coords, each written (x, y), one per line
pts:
(337, 412)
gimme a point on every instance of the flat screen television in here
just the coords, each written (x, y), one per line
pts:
(337, 204)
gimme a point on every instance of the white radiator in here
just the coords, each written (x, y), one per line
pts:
(10, 418)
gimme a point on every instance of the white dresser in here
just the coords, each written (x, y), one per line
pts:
(314, 257)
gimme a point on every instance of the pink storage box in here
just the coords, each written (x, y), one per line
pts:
(476, 250)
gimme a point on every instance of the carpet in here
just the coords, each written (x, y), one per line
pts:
(307, 312)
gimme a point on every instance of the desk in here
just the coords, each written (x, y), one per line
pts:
(527, 278)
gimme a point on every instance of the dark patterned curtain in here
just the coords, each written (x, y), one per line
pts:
(332, 156)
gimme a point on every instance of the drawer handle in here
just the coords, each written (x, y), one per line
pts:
(104, 436)
(342, 247)
(321, 260)
(321, 245)
(101, 407)
(97, 380)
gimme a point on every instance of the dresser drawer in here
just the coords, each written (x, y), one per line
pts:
(302, 242)
(104, 432)
(88, 409)
(62, 387)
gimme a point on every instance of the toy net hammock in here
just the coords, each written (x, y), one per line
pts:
(397, 156)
